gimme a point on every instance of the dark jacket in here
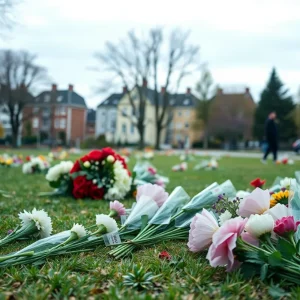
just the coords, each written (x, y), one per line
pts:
(271, 131)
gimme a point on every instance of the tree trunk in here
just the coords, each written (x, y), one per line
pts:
(141, 141)
(157, 138)
(14, 138)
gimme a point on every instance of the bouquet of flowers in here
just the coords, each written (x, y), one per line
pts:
(145, 172)
(211, 164)
(35, 165)
(180, 168)
(10, 161)
(101, 174)
(259, 234)
(59, 178)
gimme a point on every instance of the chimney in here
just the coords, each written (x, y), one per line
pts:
(247, 90)
(54, 87)
(219, 91)
(71, 87)
(145, 82)
(188, 90)
(124, 89)
(163, 90)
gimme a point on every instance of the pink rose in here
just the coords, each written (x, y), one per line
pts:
(286, 225)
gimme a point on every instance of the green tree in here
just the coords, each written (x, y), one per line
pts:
(275, 98)
(204, 89)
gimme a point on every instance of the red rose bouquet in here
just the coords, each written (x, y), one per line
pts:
(101, 174)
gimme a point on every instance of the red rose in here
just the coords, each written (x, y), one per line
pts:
(165, 255)
(95, 192)
(76, 167)
(257, 183)
(108, 151)
(95, 155)
(80, 187)
(28, 158)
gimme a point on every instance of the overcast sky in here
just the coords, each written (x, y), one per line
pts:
(240, 40)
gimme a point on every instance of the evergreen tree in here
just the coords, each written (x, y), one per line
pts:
(275, 98)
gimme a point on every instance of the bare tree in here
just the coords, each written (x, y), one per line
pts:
(204, 89)
(181, 61)
(129, 63)
(18, 75)
(139, 60)
(6, 13)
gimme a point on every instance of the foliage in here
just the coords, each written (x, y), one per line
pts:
(2, 132)
(275, 98)
(96, 143)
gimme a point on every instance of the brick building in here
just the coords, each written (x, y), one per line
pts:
(58, 116)
(91, 123)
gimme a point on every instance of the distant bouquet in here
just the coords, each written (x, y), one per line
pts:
(61, 155)
(211, 164)
(181, 167)
(10, 161)
(35, 165)
(101, 174)
(145, 172)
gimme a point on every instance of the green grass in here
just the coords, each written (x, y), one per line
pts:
(95, 275)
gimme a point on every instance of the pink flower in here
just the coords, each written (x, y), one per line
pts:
(160, 183)
(203, 227)
(220, 253)
(249, 238)
(286, 225)
(117, 209)
(151, 170)
(256, 203)
(154, 191)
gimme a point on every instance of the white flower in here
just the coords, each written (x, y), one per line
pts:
(109, 223)
(86, 164)
(27, 168)
(110, 158)
(79, 230)
(242, 194)
(224, 217)
(94, 181)
(41, 219)
(59, 170)
(287, 182)
(278, 211)
(258, 225)
(121, 185)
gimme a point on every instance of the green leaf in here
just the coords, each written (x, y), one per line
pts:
(264, 271)
(276, 292)
(249, 270)
(275, 259)
(286, 249)
(298, 247)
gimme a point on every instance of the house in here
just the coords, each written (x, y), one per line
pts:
(5, 122)
(106, 116)
(231, 116)
(180, 131)
(90, 123)
(58, 115)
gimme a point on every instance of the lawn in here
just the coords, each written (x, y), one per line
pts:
(95, 275)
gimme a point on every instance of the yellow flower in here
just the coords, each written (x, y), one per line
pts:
(9, 161)
(280, 197)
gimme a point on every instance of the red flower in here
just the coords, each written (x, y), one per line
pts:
(257, 183)
(28, 158)
(81, 187)
(165, 255)
(96, 193)
(95, 155)
(285, 161)
(76, 167)
(286, 225)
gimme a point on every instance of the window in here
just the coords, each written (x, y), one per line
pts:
(56, 123)
(46, 122)
(62, 123)
(35, 123)
(63, 111)
(187, 113)
(186, 102)
(46, 111)
(124, 128)
(47, 98)
(179, 113)
(178, 125)
(132, 128)
(124, 111)
(35, 110)
(59, 98)
(186, 125)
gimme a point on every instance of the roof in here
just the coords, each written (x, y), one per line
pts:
(91, 116)
(112, 100)
(176, 100)
(62, 97)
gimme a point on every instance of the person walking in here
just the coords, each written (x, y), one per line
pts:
(271, 134)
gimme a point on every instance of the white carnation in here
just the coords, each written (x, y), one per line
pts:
(41, 219)
(109, 223)
(242, 194)
(79, 230)
(258, 225)
(121, 185)
(27, 168)
(58, 170)
(224, 217)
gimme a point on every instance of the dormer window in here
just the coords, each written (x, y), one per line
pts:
(186, 102)
(47, 98)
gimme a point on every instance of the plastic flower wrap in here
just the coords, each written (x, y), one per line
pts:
(101, 174)
(147, 173)
(35, 165)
